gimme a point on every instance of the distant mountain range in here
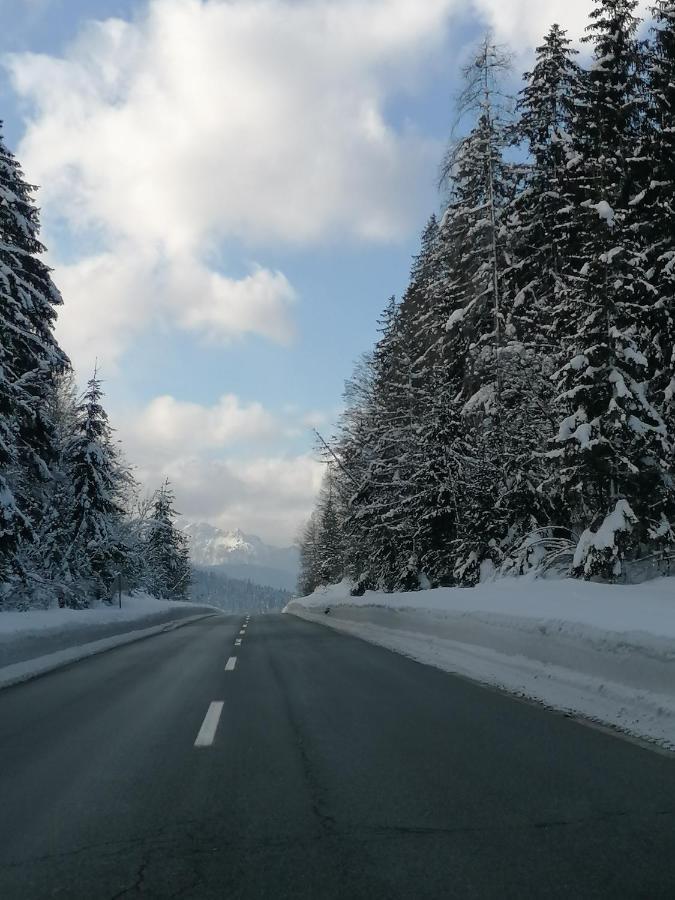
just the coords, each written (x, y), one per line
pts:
(240, 555)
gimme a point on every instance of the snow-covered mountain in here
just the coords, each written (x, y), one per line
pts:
(241, 555)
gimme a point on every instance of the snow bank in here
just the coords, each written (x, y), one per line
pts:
(26, 636)
(602, 651)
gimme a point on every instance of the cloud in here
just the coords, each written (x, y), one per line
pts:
(168, 428)
(201, 122)
(268, 495)
(523, 23)
(112, 297)
(254, 487)
(260, 119)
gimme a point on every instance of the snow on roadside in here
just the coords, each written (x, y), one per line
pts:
(40, 665)
(33, 622)
(37, 635)
(606, 652)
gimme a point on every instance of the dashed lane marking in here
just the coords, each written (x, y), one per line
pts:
(230, 664)
(207, 732)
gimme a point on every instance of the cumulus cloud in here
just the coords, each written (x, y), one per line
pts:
(262, 119)
(523, 23)
(112, 297)
(267, 495)
(168, 428)
(225, 463)
(203, 121)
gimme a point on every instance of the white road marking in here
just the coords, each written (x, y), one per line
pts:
(207, 732)
(231, 663)
(242, 631)
(237, 643)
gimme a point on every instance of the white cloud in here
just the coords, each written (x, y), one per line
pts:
(523, 23)
(268, 496)
(202, 121)
(112, 297)
(168, 428)
(255, 488)
(262, 119)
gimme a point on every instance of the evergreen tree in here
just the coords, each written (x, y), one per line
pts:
(29, 360)
(658, 205)
(99, 481)
(166, 552)
(612, 442)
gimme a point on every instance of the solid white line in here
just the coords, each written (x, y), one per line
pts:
(231, 663)
(207, 732)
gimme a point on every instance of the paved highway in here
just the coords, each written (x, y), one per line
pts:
(302, 763)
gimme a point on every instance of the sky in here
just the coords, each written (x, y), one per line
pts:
(230, 191)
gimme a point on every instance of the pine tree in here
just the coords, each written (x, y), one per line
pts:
(473, 246)
(167, 558)
(658, 204)
(612, 442)
(99, 481)
(29, 359)
(308, 545)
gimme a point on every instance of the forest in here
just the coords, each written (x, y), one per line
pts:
(73, 523)
(516, 412)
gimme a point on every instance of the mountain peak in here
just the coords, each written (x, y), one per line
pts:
(252, 557)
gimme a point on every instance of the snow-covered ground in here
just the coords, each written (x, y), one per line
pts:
(603, 651)
(36, 641)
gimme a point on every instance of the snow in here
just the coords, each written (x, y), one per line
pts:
(604, 210)
(40, 665)
(39, 632)
(605, 652)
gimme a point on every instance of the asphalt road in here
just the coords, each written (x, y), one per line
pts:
(337, 770)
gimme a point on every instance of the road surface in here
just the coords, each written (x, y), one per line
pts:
(303, 763)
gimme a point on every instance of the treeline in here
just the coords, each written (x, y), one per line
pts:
(70, 518)
(212, 586)
(517, 410)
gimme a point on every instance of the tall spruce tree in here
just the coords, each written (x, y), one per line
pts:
(612, 442)
(99, 481)
(168, 570)
(29, 360)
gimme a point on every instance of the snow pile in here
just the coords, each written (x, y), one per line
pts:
(606, 652)
(36, 641)
(42, 621)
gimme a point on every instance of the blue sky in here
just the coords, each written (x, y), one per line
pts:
(231, 190)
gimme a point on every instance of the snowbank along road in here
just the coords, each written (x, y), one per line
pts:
(276, 758)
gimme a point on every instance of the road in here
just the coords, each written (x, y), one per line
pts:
(337, 770)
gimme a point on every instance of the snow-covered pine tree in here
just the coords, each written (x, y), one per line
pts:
(99, 482)
(658, 204)
(308, 545)
(612, 443)
(540, 217)
(537, 286)
(167, 575)
(29, 360)
(472, 245)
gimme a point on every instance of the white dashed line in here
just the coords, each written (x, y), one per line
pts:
(242, 631)
(207, 732)
(237, 643)
(230, 664)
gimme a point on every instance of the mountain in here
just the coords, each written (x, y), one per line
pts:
(240, 555)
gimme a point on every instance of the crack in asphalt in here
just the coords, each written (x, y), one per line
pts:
(173, 843)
